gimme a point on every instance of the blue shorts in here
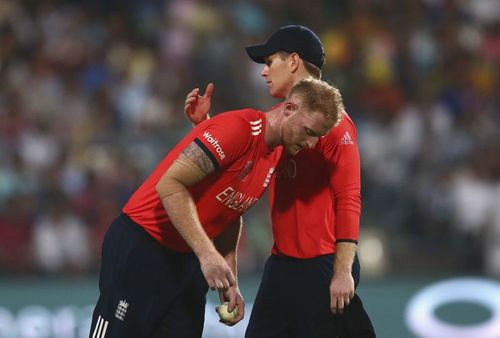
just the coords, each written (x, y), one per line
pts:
(293, 299)
(145, 289)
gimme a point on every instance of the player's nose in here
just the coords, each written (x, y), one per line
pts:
(311, 142)
(265, 71)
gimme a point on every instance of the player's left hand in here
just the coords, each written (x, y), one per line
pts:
(196, 106)
(341, 291)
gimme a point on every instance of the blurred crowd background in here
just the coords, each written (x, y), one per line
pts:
(92, 95)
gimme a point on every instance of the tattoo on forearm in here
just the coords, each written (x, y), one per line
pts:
(199, 158)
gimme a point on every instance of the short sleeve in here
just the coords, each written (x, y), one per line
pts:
(224, 138)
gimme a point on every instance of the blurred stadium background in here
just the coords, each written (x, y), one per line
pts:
(92, 95)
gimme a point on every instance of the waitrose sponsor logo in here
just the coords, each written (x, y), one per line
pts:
(215, 143)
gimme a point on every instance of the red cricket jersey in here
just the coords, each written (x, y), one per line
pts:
(244, 168)
(315, 198)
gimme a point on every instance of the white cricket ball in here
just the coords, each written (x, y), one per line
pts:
(224, 314)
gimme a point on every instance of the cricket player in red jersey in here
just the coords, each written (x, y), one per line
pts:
(315, 206)
(178, 233)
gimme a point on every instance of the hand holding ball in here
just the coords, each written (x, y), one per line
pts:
(224, 314)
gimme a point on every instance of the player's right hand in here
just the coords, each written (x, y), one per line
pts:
(216, 271)
(235, 299)
(196, 106)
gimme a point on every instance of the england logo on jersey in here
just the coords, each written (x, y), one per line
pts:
(121, 310)
(235, 200)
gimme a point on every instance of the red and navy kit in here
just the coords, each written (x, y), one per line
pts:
(151, 283)
(327, 178)
(315, 202)
(244, 168)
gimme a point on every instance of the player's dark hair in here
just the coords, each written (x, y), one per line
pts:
(314, 71)
(311, 69)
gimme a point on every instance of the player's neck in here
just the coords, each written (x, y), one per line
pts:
(292, 81)
(274, 120)
(301, 76)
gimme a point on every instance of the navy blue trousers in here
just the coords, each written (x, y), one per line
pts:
(145, 289)
(293, 300)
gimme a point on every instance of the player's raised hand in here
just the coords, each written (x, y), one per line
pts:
(196, 106)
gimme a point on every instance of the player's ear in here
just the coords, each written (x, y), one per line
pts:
(294, 61)
(289, 108)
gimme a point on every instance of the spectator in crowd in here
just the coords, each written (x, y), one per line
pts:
(15, 231)
(77, 76)
(60, 238)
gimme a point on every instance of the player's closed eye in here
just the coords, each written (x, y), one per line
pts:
(309, 132)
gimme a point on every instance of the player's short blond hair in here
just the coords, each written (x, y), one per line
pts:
(318, 95)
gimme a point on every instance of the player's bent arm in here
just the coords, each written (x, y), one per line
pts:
(191, 167)
(177, 201)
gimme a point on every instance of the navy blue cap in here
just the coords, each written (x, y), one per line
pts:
(291, 39)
